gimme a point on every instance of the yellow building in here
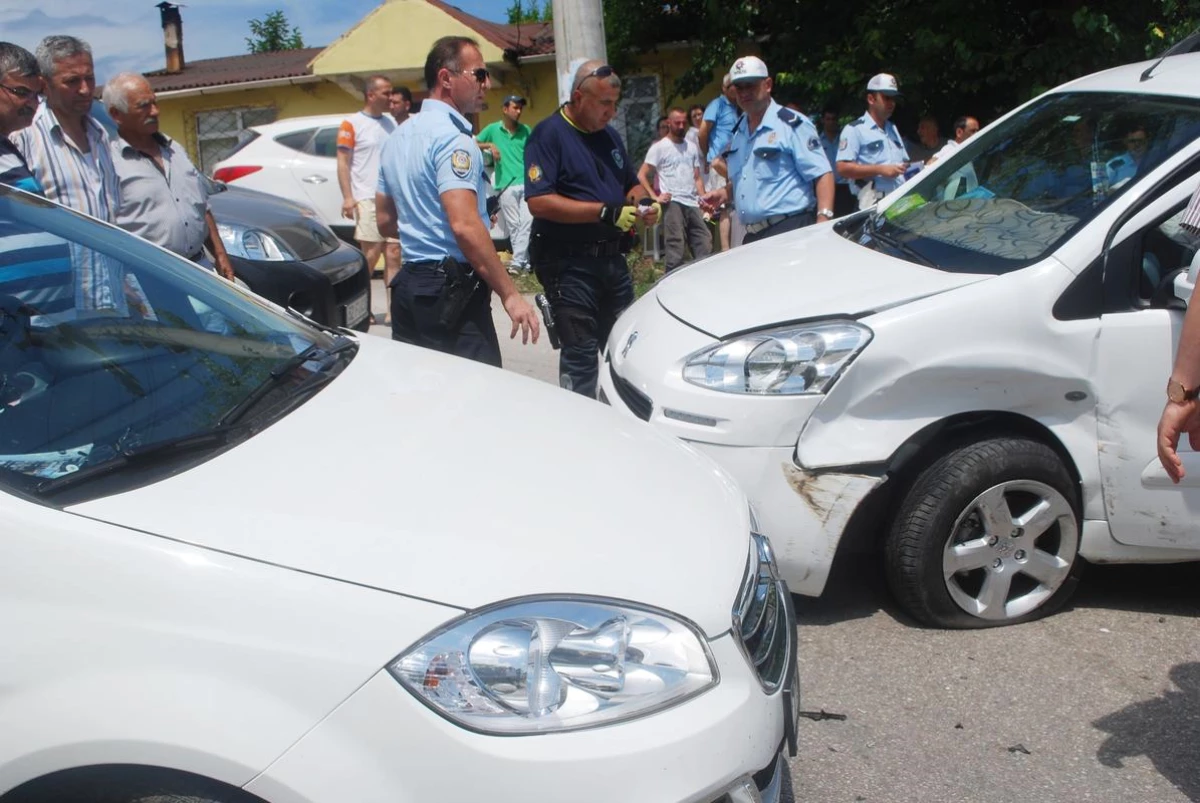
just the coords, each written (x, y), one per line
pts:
(206, 104)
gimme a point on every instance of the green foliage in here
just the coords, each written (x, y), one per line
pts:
(528, 11)
(273, 33)
(982, 57)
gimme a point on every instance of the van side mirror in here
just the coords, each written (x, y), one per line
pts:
(1185, 282)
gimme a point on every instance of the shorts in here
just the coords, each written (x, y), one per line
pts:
(365, 229)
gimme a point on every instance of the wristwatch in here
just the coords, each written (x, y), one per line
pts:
(825, 213)
(1177, 393)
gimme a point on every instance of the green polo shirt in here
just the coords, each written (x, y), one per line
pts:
(511, 169)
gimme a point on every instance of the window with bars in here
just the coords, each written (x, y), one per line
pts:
(637, 116)
(217, 132)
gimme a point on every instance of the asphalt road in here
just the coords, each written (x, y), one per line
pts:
(1100, 702)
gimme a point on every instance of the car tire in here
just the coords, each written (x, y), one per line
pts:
(986, 535)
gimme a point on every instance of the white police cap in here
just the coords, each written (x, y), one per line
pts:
(884, 84)
(748, 68)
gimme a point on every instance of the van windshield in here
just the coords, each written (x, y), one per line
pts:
(120, 362)
(1010, 196)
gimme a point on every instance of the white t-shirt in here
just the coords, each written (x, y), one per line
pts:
(676, 165)
(364, 135)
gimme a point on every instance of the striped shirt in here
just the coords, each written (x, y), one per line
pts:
(1191, 216)
(85, 182)
(13, 170)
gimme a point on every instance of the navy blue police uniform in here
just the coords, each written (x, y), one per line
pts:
(581, 265)
(432, 153)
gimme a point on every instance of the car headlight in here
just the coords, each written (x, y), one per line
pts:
(779, 362)
(553, 665)
(253, 244)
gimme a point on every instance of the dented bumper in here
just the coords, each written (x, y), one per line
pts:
(803, 513)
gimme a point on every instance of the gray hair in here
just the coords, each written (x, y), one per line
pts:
(16, 59)
(585, 70)
(116, 91)
(726, 81)
(54, 49)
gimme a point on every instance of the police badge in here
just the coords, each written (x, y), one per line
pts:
(460, 163)
(616, 155)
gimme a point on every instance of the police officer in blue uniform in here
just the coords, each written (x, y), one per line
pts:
(431, 172)
(871, 153)
(583, 194)
(779, 175)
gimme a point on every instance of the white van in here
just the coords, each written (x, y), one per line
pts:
(970, 375)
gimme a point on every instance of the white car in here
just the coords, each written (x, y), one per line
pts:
(967, 379)
(295, 159)
(203, 599)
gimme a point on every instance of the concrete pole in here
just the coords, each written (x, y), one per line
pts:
(578, 37)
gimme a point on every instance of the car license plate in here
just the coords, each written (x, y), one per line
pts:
(356, 310)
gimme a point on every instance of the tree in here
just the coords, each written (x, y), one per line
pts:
(983, 57)
(527, 11)
(273, 33)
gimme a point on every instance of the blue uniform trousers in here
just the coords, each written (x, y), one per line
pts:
(417, 309)
(587, 294)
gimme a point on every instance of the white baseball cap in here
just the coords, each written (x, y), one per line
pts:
(748, 68)
(884, 84)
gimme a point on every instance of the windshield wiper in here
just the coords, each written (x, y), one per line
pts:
(128, 455)
(896, 243)
(314, 353)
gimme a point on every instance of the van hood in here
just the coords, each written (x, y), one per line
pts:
(801, 275)
(439, 478)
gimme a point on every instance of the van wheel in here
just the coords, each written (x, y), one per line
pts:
(987, 535)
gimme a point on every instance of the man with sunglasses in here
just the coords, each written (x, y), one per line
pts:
(20, 88)
(583, 194)
(431, 174)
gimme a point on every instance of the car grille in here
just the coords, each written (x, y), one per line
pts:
(760, 616)
(638, 403)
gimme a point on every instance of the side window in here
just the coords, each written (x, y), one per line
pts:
(297, 140)
(1164, 250)
(324, 143)
(218, 132)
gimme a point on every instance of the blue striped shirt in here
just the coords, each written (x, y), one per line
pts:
(87, 183)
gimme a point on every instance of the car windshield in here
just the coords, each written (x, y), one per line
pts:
(1010, 196)
(118, 360)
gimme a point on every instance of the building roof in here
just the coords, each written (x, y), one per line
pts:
(235, 70)
(526, 39)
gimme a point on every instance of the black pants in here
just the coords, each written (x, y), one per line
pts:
(417, 308)
(587, 294)
(787, 224)
(844, 201)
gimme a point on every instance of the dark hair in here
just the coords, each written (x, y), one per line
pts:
(14, 58)
(661, 120)
(693, 108)
(403, 92)
(674, 109)
(830, 110)
(445, 54)
(961, 122)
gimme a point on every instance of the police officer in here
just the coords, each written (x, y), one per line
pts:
(432, 174)
(780, 175)
(582, 191)
(871, 153)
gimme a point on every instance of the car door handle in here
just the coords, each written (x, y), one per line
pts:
(314, 179)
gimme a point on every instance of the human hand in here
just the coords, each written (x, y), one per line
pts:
(349, 208)
(664, 198)
(651, 213)
(224, 268)
(1177, 418)
(711, 201)
(523, 317)
(623, 217)
(891, 171)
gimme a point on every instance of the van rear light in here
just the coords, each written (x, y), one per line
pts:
(228, 174)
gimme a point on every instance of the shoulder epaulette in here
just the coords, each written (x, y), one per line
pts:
(790, 117)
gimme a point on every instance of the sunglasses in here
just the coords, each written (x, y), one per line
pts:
(479, 73)
(20, 92)
(603, 71)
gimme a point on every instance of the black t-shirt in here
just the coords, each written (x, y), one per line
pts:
(563, 160)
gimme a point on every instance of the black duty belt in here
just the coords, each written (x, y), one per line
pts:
(597, 248)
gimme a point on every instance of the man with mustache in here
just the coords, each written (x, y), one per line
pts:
(20, 88)
(162, 196)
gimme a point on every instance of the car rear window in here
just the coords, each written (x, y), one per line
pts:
(325, 143)
(296, 140)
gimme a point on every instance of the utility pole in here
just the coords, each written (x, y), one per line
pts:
(578, 36)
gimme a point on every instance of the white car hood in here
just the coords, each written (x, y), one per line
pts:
(438, 478)
(812, 273)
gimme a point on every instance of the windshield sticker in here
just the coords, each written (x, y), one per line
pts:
(47, 465)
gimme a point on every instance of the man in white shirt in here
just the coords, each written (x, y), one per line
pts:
(360, 139)
(676, 161)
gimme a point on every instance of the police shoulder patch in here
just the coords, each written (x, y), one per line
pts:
(460, 163)
(535, 173)
(814, 144)
(616, 157)
(842, 144)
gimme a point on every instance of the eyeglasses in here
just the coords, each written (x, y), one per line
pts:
(480, 74)
(603, 71)
(20, 92)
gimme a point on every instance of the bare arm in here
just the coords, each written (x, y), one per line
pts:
(825, 187)
(699, 181)
(343, 172)
(386, 219)
(646, 177)
(702, 138)
(462, 212)
(858, 172)
(214, 243)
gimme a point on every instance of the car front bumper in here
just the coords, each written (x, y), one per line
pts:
(331, 289)
(383, 745)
